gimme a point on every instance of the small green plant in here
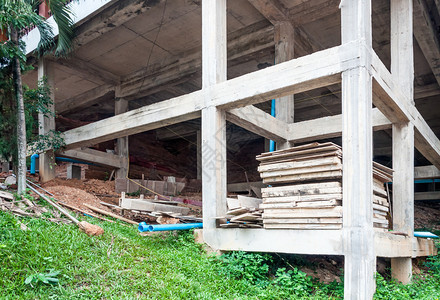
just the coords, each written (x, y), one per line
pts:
(42, 278)
(253, 267)
(293, 282)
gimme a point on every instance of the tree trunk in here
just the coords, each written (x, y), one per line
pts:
(21, 122)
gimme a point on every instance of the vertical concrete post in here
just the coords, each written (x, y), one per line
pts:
(284, 50)
(213, 119)
(402, 69)
(121, 106)
(47, 123)
(357, 146)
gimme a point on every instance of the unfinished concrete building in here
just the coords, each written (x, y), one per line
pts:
(364, 74)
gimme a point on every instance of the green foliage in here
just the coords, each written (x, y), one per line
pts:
(121, 264)
(22, 14)
(293, 282)
(46, 278)
(252, 267)
(36, 101)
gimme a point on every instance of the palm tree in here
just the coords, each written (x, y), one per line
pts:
(15, 17)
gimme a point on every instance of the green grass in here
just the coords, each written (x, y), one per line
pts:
(121, 264)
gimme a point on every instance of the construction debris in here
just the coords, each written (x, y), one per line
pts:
(306, 188)
(106, 213)
(22, 208)
(151, 205)
(88, 228)
(243, 212)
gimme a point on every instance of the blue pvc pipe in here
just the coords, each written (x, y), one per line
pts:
(273, 114)
(33, 162)
(425, 234)
(35, 156)
(72, 160)
(145, 227)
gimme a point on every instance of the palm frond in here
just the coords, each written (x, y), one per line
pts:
(62, 16)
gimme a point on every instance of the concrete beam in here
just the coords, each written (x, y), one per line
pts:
(329, 127)
(94, 156)
(258, 122)
(85, 99)
(426, 172)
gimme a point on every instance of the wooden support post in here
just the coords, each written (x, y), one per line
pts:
(284, 41)
(213, 119)
(121, 106)
(402, 70)
(47, 123)
(357, 140)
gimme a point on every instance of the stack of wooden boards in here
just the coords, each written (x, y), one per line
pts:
(243, 212)
(306, 188)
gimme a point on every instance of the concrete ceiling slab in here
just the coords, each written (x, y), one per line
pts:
(130, 57)
(179, 35)
(152, 19)
(105, 43)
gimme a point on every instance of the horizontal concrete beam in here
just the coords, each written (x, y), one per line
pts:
(288, 78)
(95, 156)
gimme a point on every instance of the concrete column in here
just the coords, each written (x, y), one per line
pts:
(199, 154)
(47, 123)
(357, 146)
(213, 119)
(121, 106)
(402, 69)
(284, 46)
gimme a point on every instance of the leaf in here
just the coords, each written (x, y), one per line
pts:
(29, 279)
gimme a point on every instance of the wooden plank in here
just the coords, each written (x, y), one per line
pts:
(6, 195)
(303, 198)
(250, 202)
(302, 213)
(303, 226)
(232, 203)
(336, 153)
(106, 213)
(304, 221)
(304, 204)
(246, 217)
(293, 153)
(297, 148)
(299, 164)
(301, 171)
(304, 177)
